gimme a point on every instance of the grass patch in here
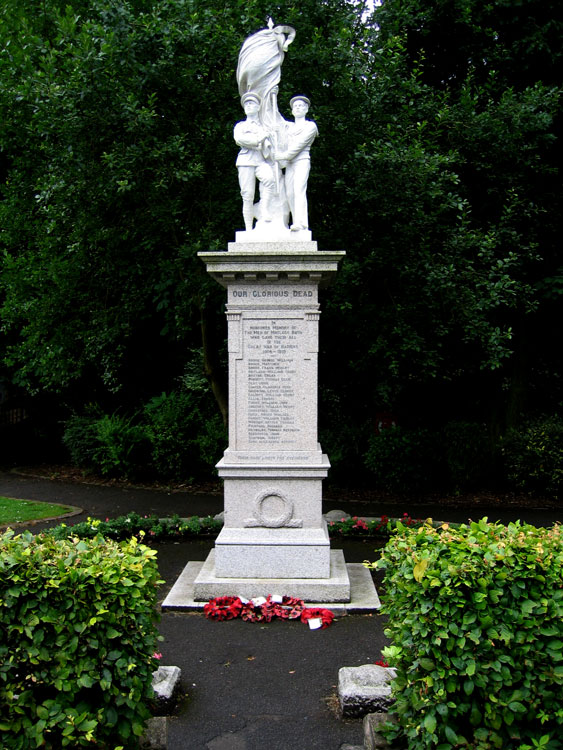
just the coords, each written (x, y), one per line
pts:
(20, 511)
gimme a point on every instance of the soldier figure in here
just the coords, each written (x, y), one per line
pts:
(251, 162)
(297, 161)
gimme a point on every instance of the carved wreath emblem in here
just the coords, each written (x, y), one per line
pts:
(273, 510)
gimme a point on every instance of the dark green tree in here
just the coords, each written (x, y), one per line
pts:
(436, 168)
(451, 195)
(116, 137)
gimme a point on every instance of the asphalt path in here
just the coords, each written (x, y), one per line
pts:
(247, 686)
(99, 501)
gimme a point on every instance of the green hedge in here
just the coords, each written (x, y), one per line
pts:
(147, 528)
(77, 639)
(476, 625)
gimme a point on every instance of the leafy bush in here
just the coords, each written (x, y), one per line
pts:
(78, 635)
(179, 436)
(458, 456)
(469, 454)
(111, 444)
(534, 456)
(80, 437)
(405, 460)
(476, 624)
(344, 440)
(121, 444)
(187, 436)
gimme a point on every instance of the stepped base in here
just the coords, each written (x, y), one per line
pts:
(362, 596)
(273, 553)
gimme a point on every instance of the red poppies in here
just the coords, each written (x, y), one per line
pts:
(265, 609)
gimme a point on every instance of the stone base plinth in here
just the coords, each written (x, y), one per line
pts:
(274, 505)
(335, 588)
(363, 595)
(272, 553)
(264, 234)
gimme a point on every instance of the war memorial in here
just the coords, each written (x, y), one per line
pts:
(274, 539)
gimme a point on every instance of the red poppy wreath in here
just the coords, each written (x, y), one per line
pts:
(317, 613)
(266, 609)
(223, 608)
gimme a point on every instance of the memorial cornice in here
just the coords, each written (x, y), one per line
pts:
(272, 261)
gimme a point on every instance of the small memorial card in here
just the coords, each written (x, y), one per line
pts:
(258, 601)
(315, 623)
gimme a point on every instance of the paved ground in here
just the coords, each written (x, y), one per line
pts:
(103, 502)
(248, 686)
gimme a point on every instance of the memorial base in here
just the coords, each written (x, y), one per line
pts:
(273, 553)
(335, 588)
(362, 599)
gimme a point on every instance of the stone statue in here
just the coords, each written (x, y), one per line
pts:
(251, 162)
(259, 69)
(296, 158)
(269, 143)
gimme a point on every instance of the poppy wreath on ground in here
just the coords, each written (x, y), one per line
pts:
(265, 610)
(250, 613)
(223, 608)
(290, 608)
(324, 615)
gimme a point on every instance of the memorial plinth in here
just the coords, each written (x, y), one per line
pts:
(274, 466)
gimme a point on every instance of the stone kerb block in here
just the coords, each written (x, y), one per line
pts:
(365, 689)
(156, 734)
(373, 739)
(166, 686)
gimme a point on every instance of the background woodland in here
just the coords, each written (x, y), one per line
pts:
(437, 169)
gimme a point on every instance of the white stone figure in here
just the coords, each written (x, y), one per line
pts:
(252, 164)
(259, 70)
(297, 160)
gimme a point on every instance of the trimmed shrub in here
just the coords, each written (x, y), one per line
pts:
(476, 624)
(534, 456)
(77, 638)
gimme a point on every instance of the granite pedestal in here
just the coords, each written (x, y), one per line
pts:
(274, 537)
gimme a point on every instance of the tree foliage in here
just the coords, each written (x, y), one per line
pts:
(436, 169)
(455, 179)
(119, 160)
